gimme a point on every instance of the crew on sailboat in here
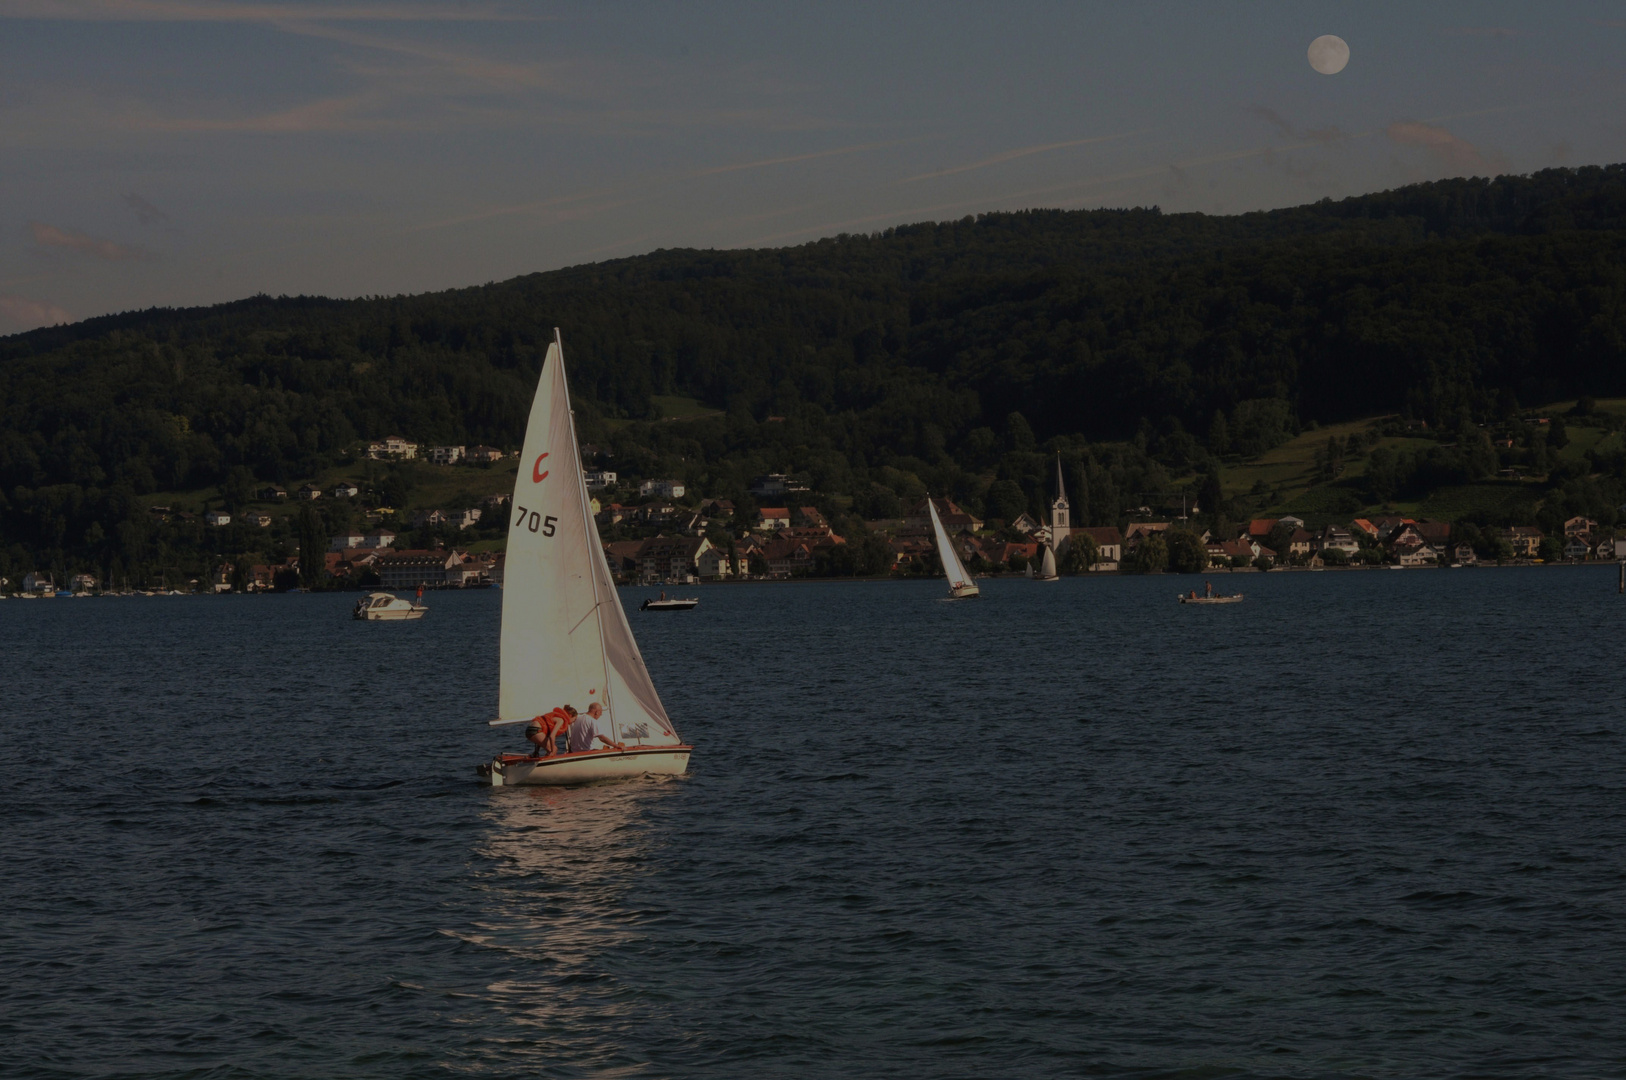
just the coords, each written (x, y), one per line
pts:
(584, 732)
(543, 731)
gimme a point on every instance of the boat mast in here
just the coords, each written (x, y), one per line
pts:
(589, 534)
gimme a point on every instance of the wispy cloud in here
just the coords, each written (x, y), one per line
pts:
(1481, 31)
(1288, 131)
(21, 313)
(52, 237)
(328, 114)
(192, 11)
(145, 212)
(1012, 155)
(1453, 151)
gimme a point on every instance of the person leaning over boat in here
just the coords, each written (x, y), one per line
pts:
(543, 731)
(584, 731)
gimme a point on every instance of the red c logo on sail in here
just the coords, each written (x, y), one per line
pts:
(538, 473)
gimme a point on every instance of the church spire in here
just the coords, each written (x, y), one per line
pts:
(1061, 488)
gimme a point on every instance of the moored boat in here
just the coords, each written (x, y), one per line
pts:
(386, 607)
(1193, 598)
(674, 604)
(565, 637)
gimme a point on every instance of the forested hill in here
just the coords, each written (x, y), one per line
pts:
(938, 345)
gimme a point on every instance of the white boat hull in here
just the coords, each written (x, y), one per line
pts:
(963, 592)
(395, 614)
(515, 770)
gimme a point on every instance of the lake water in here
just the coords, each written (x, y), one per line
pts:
(1363, 824)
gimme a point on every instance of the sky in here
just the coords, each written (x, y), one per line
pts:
(184, 152)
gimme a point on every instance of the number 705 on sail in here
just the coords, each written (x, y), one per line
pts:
(532, 520)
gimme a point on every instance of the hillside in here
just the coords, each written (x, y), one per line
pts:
(1149, 349)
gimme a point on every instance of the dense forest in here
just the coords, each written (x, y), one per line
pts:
(956, 356)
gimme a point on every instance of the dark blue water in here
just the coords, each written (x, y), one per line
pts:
(1364, 824)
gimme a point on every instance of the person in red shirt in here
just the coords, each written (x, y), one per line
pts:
(543, 732)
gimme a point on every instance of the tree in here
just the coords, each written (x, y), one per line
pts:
(1081, 554)
(1558, 435)
(312, 548)
(1211, 496)
(1152, 553)
(1187, 555)
(1551, 549)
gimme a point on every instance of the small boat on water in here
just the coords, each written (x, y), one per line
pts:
(1047, 566)
(961, 587)
(1193, 598)
(674, 604)
(386, 607)
(565, 637)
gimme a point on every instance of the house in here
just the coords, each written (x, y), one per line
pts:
(1388, 525)
(1024, 523)
(1464, 554)
(464, 518)
(82, 582)
(37, 581)
(1236, 552)
(664, 489)
(773, 518)
(310, 491)
(1109, 544)
(431, 518)
(611, 515)
(1437, 534)
(1001, 552)
(593, 450)
(658, 512)
(909, 550)
(1422, 555)
(499, 566)
(446, 455)
(1606, 549)
(1524, 539)
(722, 508)
(1365, 527)
(1406, 537)
(348, 540)
(769, 485)
(622, 555)
(1335, 539)
(1290, 522)
(788, 557)
(272, 494)
(808, 517)
(217, 518)
(496, 502)
(597, 479)
(953, 518)
(220, 578)
(714, 564)
(1260, 528)
(392, 446)
(1577, 549)
(1140, 530)
(344, 490)
(482, 455)
(1575, 526)
(411, 568)
(664, 558)
(690, 523)
(261, 578)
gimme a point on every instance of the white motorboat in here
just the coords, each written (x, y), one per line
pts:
(674, 604)
(961, 586)
(1193, 598)
(565, 638)
(386, 607)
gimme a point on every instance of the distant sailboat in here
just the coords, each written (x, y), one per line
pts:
(565, 638)
(1047, 565)
(960, 583)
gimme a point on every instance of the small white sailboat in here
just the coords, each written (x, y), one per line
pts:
(960, 584)
(565, 638)
(1047, 565)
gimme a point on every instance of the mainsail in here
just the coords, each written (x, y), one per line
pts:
(952, 566)
(565, 638)
(1047, 568)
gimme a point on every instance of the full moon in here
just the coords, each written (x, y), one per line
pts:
(1329, 54)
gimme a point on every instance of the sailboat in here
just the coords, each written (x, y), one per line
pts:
(960, 583)
(565, 638)
(1047, 565)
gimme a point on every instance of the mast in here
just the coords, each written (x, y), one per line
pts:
(590, 535)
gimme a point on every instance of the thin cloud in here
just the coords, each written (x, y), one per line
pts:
(1288, 131)
(1453, 151)
(21, 313)
(1012, 155)
(52, 237)
(183, 11)
(1481, 31)
(145, 212)
(329, 114)
(765, 162)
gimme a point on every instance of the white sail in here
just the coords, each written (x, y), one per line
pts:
(1047, 569)
(565, 638)
(952, 566)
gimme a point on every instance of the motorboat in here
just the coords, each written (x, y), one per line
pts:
(674, 604)
(386, 607)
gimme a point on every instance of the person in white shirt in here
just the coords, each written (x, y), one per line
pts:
(584, 732)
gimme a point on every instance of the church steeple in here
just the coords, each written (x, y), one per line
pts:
(1061, 525)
